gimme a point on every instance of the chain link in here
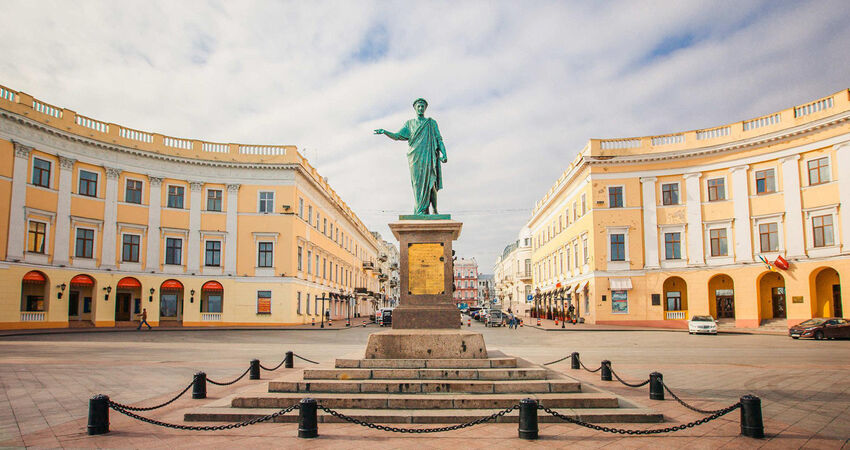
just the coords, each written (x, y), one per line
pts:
(229, 426)
(304, 359)
(637, 385)
(719, 413)
(682, 402)
(230, 382)
(591, 371)
(149, 408)
(273, 368)
(342, 416)
(557, 360)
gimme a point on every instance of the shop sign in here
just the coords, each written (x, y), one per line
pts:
(619, 302)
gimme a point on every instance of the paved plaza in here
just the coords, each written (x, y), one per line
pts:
(48, 379)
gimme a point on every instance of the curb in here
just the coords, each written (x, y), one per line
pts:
(35, 332)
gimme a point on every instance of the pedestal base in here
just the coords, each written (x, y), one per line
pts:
(426, 344)
(426, 317)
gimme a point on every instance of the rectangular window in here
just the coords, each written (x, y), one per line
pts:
(88, 183)
(212, 254)
(575, 211)
(309, 259)
(85, 243)
(818, 171)
(717, 189)
(575, 251)
(672, 246)
(674, 301)
(325, 226)
(718, 242)
(585, 251)
(317, 265)
(822, 229)
(36, 237)
(175, 196)
(310, 215)
(308, 304)
(318, 219)
(264, 302)
(214, 197)
(298, 305)
(41, 172)
(174, 251)
(133, 192)
(583, 205)
(618, 247)
(266, 202)
(765, 181)
(615, 197)
(300, 256)
(265, 254)
(324, 268)
(130, 248)
(769, 237)
(670, 194)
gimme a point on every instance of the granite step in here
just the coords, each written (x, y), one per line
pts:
(425, 416)
(427, 401)
(490, 363)
(426, 374)
(424, 386)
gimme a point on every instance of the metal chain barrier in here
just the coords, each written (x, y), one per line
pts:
(637, 385)
(230, 382)
(719, 413)
(229, 426)
(273, 368)
(303, 358)
(557, 360)
(682, 402)
(417, 430)
(591, 371)
(150, 408)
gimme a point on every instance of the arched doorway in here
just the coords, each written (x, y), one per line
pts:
(675, 299)
(128, 300)
(81, 301)
(212, 301)
(771, 290)
(171, 303)
(34, 296)
(721, 297)
(826, 293)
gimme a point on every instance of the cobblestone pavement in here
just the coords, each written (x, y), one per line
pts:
(46, 381)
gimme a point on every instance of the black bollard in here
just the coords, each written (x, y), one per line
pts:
(574, 361)
(98, 415)
(751, 420)
(287, 361)
(199, 386)
(606, 370)
(656, 386)
(308, 423)
(255, 369)
(528, 419)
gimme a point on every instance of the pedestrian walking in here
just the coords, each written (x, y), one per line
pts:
(571, 313)
(143, 319)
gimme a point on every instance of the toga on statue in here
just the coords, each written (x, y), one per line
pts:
(424, 155)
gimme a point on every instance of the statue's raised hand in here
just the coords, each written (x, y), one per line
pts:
(380, 131)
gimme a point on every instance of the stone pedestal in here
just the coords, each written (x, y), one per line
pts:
(426, 344)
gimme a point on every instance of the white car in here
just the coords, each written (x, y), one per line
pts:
(702, 325)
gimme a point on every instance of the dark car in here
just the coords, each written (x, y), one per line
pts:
(386, 317)
(819, 328)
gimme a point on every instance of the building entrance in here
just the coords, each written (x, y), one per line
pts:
(836, 300)
(725, 306)
(123, 312)
(777, 295)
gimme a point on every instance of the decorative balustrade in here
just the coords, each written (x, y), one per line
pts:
(216, 148)
(44, 108)
(762, 122)
(210, 317)
(676, 315)
(713, 133)
(609, 144)
(813, 107)
(135, 135)
(96, 125)
(7, 94)
(261, 150)
(32, 316)
(668, 139)
(177, 143)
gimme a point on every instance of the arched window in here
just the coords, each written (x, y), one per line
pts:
(212, 297)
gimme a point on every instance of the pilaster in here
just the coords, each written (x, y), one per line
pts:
(154, 213)
(110, 219)
(741, 211)
(194, 247)
(693, 209)
(650, 223)
(795, 238)
(62, 230)
(842, 156)
(17, 218)
(232, 224)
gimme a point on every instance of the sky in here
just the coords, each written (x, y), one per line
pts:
(516, 87)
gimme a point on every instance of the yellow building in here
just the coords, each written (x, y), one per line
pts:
(654, 230)
(99, 221)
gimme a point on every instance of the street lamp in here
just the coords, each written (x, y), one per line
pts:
(563, 312)
(323, 309)
(536, 303)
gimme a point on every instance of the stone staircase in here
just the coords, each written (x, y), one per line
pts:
(424, 391)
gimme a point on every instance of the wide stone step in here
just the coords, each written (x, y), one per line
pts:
(426, 374)
(425, 416)
(425, 387)
(491, 363)
(428, 401)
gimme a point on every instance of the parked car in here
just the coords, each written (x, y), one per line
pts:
(702, 325)
(821, 328)
(472, 310)
(386, 317)
(495, 319)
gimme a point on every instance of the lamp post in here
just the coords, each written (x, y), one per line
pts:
(536, 302)
(323, 309)
(563, 312)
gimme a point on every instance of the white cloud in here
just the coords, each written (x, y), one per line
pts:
(517, 87)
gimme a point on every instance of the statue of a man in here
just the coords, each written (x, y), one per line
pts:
(424, 155)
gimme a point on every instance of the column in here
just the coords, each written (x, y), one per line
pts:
(231, 224)
(795, 238)
(650, 223)
(17, 219)
(741, 211)
(842, 156)
(62, 232)
(693, 209)
(110, 219)
(194, 248)
(154, 212)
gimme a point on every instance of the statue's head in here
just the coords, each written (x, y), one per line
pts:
(419, 105)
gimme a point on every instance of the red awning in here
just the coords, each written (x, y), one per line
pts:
(129, 283)
(82, 280)
(171, 285)
(212, 286)
(34, 277)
